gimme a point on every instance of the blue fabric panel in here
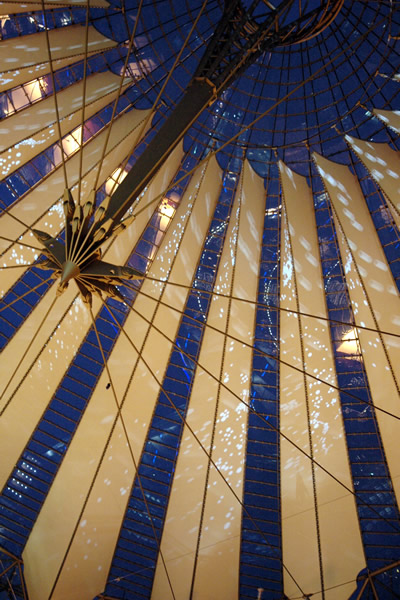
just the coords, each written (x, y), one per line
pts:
(261, 545)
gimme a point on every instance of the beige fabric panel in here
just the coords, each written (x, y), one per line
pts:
(71, 542)
(367, 272)
(219, 544)
(390, 117)
(43, 372)
(32, 208)
(301, 275)
(14, 77)
(39, 115)
(17, 155)
(383, 165)
(16, 53)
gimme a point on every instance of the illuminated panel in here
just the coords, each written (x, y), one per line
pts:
(374, 299)
(389, 117)
(14, 24)
(261, 550)
(11, 7)
(38, 120)
(64, 42)
(383, 164)
(137, 547)
(310, 414)
(376, 502)
(381, 214)
(13, 78)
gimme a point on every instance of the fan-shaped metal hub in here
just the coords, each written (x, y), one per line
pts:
(79, 258)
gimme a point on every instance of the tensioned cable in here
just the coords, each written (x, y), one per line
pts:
(386, 587)
(118, 95)
(83, 100)
(25, 293)
(21, 577)
(254, 411)
(55, 96)
(184, 421)
(265, 354)
(10, 586)
(277, 103)
(271, 308)
(7, 568)
(6, 239)
(119, 413)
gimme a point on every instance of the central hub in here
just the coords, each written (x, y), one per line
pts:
(79, 258)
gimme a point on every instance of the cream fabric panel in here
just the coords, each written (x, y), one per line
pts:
(43, 371)
(389, 117)
(33, 210)
(383, 164)
(220, 534)
(30, 50)
(17, 76)
(9, 8)
(86, 520)
(41, 114)
(374, 299)
(301, 275)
